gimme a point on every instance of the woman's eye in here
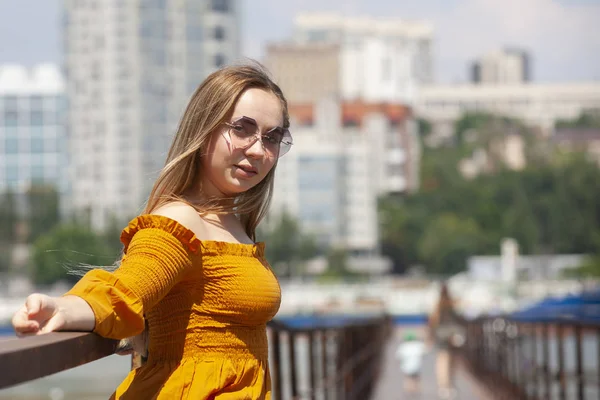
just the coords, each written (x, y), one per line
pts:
(237, 128)
(270, 139)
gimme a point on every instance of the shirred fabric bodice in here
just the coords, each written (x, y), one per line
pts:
(206, 303)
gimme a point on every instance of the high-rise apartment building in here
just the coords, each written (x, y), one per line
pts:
(509, 66)
(377, 59)
(33, 148)
(346, 155)
(131, 68)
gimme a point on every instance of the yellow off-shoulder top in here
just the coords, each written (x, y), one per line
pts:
(206, 302)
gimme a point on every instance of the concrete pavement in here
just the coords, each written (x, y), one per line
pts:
(389, 386)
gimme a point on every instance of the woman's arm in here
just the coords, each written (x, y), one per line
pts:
(43, 314)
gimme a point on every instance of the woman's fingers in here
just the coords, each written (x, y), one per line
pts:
(40, 306)
(22, 324)
(35, 316)
(33, 303)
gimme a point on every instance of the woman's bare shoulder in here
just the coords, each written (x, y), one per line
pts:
(186, 215)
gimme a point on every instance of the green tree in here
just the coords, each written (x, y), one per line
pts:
(468, 122)
(8, 228)
(590, 268)
(43, 211)
(67, 247)
(337, 264)
(424, 127)
(447, 243)
(548, 208)
(584, 120)
(286, 245)
(8, 217)
(112, 234)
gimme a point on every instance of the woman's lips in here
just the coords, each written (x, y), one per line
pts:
(245, 171)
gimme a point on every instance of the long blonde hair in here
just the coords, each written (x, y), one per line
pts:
(209, 107)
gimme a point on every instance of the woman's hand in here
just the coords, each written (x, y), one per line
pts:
(43, 314)
(40, 314)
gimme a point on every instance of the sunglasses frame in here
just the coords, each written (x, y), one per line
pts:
(258, 135)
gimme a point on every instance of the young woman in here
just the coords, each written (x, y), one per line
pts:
(446, 330)
(191, 270)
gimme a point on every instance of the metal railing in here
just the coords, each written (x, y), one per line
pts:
(553, 359)
(342, 360)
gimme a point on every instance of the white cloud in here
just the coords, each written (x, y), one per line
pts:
(564, 39)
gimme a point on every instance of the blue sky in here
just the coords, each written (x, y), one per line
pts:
(562, 36)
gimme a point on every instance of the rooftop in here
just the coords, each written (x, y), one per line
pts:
(354, 111)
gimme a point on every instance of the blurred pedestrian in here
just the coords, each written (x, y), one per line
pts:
(446, 332)
(410, 354)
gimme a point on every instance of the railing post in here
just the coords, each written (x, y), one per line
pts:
(311, 365)
(292, 349)
(579, 362)
(515, 353)
(547, 366)
(534, 363)
(561, 362)
(325, 363)
(341, 362)
(348, 351)
(276, 373)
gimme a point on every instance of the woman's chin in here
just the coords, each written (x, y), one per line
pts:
(240, 186)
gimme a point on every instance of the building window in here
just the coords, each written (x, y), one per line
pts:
(220, 5)
(37, 118)
(11, 145)
(37, 173)
(36, 103)
(12, 175)
(11, 118)
(11, 103)
(37, 145)
(219, 60)
(219, 33)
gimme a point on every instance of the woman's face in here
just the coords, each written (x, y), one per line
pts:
(228, 170)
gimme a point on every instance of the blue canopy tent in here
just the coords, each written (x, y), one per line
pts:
(584, 307)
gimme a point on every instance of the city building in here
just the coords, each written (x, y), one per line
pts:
(346, 155)
(536, 104)
(33, 148)
(305, 72)
(508, 66)
(130, 69)
(368, 59)
(582, 140)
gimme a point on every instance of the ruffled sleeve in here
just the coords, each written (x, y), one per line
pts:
(158, 252)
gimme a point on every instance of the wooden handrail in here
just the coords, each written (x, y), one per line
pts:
(33, 357)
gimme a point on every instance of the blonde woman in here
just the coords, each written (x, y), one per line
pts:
(191, 270)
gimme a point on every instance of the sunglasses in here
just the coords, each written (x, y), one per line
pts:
(244, 132)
